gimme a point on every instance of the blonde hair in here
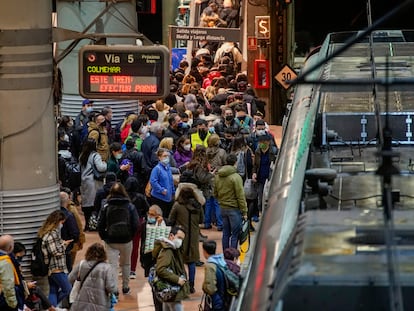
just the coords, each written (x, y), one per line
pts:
(159, 105)
(167, 143)
(51, 223)
(128, 120)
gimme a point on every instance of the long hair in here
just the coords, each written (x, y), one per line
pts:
(51, 223)
(179, 145)
(87, 148)
(239, 143)
(199, 158)
(96, 252)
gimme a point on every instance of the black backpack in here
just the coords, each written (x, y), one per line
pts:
(38, 266)
(72, 174)
(118, 221)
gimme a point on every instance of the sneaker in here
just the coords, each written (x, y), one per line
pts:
(132, 275)
(126, 291)
(255, 219)
(60, 309)
(192, 290)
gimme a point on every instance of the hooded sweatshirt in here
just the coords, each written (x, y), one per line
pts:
(228, 189)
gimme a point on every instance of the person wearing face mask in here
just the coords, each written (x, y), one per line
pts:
(153, 220)
(227, 121)
(120, 170)
(173, 129)
(187, 212)
(70, 230)
(34, 298)
(201, 135)
(162, 183)
(80, 121)
(183, 152)
(264, 156)
(170, 265)
(54, 247)
(260, 130)
(97, 131)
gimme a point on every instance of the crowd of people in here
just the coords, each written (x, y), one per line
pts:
(184, 158)
(180, 161)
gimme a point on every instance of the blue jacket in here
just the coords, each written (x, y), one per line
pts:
(161, 179)
(149, 149)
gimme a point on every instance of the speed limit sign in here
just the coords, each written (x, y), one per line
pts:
(286, 74)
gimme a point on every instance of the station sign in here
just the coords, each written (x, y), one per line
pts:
(124, 71)
(262, 27)
(219, 34)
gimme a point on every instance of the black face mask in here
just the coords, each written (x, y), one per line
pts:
(103, 123)
(229, 118)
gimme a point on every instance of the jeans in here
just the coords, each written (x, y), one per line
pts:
(172, 306)
(232, 220)
(59, 287)
(123, 250)
(212, 207)
(260, 188)
(191, 272)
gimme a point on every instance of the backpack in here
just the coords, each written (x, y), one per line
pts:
(231, 283)
(230, 55)
(72, 174)
(85, 134)
(118, 224)
(38, 266)
(136, 138)
(241, 165)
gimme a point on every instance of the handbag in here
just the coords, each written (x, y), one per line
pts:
(97, 175)
(244, 234)
(93, 221)
(250, 189)
(77, 285)
(164, 291)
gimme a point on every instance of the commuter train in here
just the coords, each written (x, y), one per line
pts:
(337, 230)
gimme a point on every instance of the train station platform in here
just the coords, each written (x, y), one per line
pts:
(140, 298)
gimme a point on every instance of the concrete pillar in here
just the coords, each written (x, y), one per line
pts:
(28, 182)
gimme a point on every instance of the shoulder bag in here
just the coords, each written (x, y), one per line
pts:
(97, 175)
(78, 282)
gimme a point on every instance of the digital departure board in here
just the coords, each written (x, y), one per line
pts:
(119, 71)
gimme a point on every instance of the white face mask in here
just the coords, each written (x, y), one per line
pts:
(261, 132)
(60, 226)
(166, 160)
(177, 243)
(187, 147)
